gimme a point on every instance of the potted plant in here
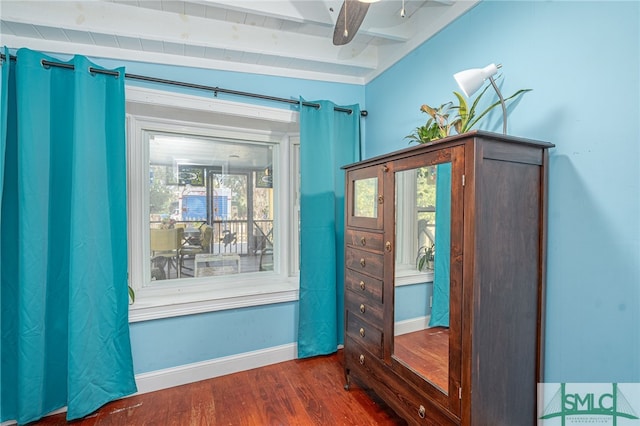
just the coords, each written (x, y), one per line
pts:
(426, 257)
(438, 126)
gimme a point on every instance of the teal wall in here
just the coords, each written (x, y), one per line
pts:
(171, 342)
(412, 301)
(582, 61)
(281, 87)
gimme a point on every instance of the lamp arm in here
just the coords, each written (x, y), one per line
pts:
(504, 107)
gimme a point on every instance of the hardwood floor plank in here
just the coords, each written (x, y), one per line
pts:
(235, 401)
(299, 392)
(330, 398)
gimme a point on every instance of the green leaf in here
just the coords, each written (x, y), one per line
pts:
(495, 104)
(132, 295)
(463, 114)
(462, 107)
(421, 262)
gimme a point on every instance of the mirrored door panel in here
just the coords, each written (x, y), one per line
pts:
(423, 226)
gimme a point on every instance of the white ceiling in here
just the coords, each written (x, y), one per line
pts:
(287, 38)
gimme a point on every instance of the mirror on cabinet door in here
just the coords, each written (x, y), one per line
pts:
(365, 195)
(364, 200)
(422, 272)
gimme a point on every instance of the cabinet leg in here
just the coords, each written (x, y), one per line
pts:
(347, 378)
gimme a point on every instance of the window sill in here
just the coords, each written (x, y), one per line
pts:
(410, 275)
(194, 298)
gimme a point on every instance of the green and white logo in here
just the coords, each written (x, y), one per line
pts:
(574, 404)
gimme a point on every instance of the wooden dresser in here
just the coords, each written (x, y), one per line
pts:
(461, 344)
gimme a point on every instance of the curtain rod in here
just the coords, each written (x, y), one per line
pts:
(215, 90)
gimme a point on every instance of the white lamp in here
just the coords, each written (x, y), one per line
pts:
(471, 80)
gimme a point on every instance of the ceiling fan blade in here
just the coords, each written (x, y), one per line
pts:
(353, 13)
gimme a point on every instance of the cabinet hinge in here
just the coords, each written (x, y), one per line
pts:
(462, 180)
(459, 393)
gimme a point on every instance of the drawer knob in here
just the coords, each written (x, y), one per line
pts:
(380, 199)
(362, 308)
(361, 359)
(387, 246)
(422, 412)
(363, 241)
(362, 331)
(362, 285)
(362, 262)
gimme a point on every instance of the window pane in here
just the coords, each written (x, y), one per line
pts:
(426, 215)
(210, 206)
(425, 203)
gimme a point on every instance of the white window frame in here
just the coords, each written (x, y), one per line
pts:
(406, 220)
(294, 191)
(244, 122)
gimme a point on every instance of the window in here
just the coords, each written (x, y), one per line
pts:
(210, 204)
(415, 224)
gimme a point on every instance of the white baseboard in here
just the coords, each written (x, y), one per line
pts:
(409, 326)
(189, 373)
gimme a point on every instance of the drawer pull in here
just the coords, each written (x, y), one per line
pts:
(363, 241)
(362, 262)
(362, 285)
(422, 412)
(362, 308)
(361, 359)
(361, 331)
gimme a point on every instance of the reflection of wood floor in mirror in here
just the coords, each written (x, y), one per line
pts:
(427, 352)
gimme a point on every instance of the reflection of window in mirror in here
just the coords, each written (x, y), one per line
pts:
(421, 296)
(415, 223)
(365, 197)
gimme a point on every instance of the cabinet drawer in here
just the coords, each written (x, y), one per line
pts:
(419, 410)
(366, 334)
(365, 240)
(364, 262)
(408, 401)
(368, 309)
(358, 360)
(364, 284)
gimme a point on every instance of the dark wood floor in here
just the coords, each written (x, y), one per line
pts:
(298, 392)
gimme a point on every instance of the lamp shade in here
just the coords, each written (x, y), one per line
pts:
(471, 80)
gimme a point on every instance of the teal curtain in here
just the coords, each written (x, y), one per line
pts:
(329, 139)
(65, 332)
(441, 272)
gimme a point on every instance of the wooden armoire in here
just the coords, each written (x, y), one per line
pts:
(479, 201)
